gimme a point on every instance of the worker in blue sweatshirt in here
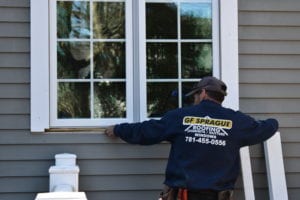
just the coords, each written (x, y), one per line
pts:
(205, 139)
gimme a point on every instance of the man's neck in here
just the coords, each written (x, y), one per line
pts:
(211, 99)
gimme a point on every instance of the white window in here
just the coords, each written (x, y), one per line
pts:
(100, 62)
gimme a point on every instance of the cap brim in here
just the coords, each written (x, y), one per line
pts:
(192, 92)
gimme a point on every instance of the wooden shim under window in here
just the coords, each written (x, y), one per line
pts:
(275, 168)
(72, 130)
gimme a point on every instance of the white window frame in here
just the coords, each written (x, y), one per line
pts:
(40, 99)
(40, 59)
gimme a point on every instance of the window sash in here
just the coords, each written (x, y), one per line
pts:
(142, 50)
(89, 122)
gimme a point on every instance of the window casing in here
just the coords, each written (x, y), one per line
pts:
(139, 82)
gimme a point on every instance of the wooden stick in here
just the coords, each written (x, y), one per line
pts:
(100, 130)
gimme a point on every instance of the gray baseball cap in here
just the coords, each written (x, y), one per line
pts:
(209, 83)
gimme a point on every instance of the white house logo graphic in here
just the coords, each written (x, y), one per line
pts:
(206, 130)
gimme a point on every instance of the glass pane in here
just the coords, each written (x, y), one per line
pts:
(162, 60)
(109, 19)
(73, 60)
(196, 60)
(161, 97)
(73, 19)
(73, 100)
(196, 20)
(186, 88)
(109, 100)
(161, 20)
(109, 60)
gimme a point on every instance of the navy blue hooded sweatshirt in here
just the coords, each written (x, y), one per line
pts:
(205, 142)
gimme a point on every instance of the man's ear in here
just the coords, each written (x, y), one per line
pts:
(204, 94)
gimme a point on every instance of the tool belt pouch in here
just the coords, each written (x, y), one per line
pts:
(167, 194)
(225, 195)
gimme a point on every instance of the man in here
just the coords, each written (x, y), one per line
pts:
(205, 142)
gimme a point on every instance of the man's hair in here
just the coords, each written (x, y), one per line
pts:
(215, 95)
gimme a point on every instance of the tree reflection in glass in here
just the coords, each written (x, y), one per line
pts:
(73, 19)
(73, 60)
(161, 97)
(109, 100)
(196, 20)
(109, 60)
(73, 100)
(161, 20)
(162, 60)
(109, 20)
(196, 60)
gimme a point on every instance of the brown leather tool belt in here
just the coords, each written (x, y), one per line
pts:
(183, 194)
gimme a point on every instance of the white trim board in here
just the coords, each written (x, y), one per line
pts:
(229, 73)
(275, 168)
(39, 64)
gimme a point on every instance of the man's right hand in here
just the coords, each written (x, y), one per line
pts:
(109, 131)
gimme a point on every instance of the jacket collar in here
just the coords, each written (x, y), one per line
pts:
(209, 103)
